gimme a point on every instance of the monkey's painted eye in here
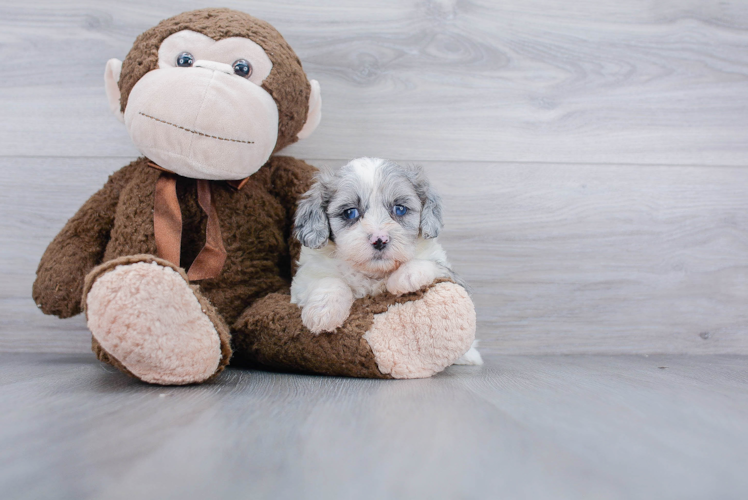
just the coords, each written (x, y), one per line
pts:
(351, 213)
(185, 60)
(399, 210)
(242, 68)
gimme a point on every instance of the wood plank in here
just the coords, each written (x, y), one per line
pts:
(574, 427)
(561, 258)
(600, 82)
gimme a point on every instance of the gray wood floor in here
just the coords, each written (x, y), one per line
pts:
(556, 427)
(593, 160)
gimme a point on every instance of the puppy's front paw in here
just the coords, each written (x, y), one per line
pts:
(328, 306)
(412, 276)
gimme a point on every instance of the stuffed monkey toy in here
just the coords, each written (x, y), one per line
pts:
(185, 256)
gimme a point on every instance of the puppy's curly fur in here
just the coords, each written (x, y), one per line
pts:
(367, 228)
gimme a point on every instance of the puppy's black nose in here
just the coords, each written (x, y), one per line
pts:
(379, 244)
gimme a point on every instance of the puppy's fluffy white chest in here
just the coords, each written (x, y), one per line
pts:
(315, 265)
(368, 228)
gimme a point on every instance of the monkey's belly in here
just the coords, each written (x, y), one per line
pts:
(252, 229)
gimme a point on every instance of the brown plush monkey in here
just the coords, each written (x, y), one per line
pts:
(196, 235)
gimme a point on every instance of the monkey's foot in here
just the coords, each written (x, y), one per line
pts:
(148, 321)
(419, 338)
(410, 336)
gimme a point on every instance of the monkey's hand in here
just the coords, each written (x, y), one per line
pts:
(412, 276)
(77, 249)
(327, 306)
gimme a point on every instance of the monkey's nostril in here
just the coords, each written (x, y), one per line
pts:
(379, 244)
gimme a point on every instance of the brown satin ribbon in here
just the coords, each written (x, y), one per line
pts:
(167, 225)
(167, 219)
(210, 260)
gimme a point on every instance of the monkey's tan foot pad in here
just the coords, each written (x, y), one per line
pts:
(419, 338)
(150, 320)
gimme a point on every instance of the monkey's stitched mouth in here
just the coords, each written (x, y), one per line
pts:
(193, 131)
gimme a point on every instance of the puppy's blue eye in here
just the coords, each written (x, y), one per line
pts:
(399, 210)
(185, 60)
(351, 213)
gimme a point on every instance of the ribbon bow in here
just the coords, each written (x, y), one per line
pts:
(167, 225)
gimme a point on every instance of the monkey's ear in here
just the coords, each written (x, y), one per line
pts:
(314, 114)
(111, 79)
(311, 226)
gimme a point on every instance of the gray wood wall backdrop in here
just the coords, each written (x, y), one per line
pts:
(592, 154)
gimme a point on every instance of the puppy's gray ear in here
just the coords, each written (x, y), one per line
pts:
(431, 211)
(311, 226)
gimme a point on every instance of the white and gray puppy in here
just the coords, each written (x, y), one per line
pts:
(367, 228)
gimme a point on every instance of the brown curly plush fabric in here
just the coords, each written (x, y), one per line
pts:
(118, 222)
(287, 83)
(271, 333)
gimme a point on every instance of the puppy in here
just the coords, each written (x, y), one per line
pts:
(367, 228)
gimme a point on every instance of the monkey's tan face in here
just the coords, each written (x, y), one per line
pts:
(203, 113)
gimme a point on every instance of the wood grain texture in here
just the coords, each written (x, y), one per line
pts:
(560, 258)
(576, 427)
(646, 82)
(589, 259)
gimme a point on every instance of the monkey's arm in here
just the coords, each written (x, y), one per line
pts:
(409, 336)
(78, 248)
(290, 179)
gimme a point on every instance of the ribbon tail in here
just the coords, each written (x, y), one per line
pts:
(167, 219)
(209, 262)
